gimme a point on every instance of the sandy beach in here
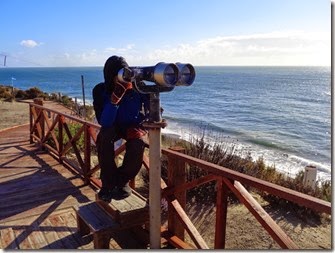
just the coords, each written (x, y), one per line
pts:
(243, 230)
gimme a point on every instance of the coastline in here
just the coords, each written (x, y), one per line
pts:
(243, 231)
(289, 128)
(289, 165)
(237, 149)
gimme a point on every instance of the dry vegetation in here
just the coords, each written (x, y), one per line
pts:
(10, 94)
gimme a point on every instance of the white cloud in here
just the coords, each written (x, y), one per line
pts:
(89, 58)
(274, 48)
(121, 50)
(66, 55)
(30, 43)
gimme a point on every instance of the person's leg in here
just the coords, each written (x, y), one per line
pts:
(132, 163)
(108, 168)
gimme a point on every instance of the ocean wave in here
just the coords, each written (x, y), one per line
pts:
(307, 162)
(267, 144)
(81, 101)
(201, 126)
(272, 154)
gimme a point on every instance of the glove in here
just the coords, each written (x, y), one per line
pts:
(119, 90)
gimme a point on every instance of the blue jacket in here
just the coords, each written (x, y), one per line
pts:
(127, 113)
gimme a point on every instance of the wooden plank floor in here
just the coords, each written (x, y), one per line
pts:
(37, 195)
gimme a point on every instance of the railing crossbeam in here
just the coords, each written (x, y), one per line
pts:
(182, 216)
(261, 215)
(50, 130)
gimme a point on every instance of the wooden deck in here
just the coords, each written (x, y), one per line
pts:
(37, 198)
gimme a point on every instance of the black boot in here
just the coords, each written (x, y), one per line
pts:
(121, 192)
(105, 194)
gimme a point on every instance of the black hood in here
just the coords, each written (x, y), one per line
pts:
(111, 68)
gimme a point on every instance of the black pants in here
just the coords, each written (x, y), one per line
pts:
(110, 174)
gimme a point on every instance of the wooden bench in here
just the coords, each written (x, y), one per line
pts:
(104, 219)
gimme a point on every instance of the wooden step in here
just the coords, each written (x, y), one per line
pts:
(130, 211)
(91, 218)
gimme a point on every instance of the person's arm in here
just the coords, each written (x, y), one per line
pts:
(109, 112)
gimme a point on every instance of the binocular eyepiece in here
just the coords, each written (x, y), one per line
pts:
(164, 75)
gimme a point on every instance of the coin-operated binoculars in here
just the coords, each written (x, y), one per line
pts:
(162, 77)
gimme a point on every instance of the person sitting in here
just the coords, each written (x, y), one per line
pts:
(119, 110)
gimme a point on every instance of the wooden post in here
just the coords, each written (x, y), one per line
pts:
(221, 214)
(176, 176)
(60, 137)
(31, 123)
(155, 187)
(87, 154)
(39, 101)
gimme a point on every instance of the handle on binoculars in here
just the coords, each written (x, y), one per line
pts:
(141, 87)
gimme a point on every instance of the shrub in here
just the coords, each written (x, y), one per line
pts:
(223, 155)
(73, 128)
(34, 93)
(20, 94)
(6, 93)
(53, 97)
(67, 101)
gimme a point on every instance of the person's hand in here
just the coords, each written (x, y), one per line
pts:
(119, 90)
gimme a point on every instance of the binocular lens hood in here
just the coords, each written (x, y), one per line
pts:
(164, 75)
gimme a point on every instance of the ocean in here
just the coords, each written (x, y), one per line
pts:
(281, 114)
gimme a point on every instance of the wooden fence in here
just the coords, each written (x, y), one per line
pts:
(51, 129)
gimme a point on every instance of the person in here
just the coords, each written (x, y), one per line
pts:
(119, 110)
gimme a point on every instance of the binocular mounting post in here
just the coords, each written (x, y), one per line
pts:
(154, 125)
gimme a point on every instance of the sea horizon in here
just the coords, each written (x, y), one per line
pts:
(101, 66)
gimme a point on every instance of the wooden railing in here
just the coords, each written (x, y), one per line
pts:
(49, 128)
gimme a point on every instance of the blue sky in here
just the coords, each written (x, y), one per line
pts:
(213, 32)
